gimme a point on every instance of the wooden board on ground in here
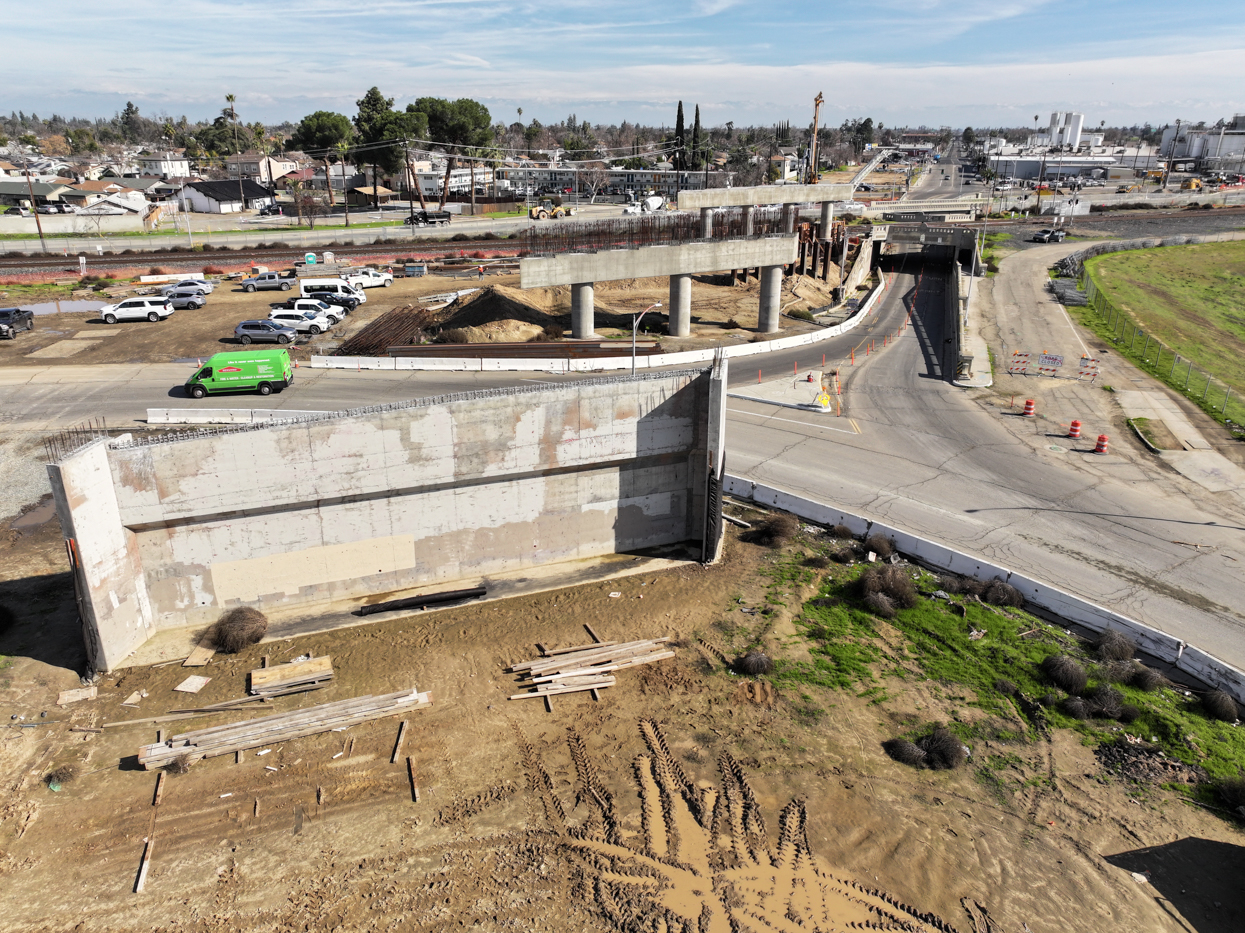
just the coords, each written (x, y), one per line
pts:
(192, 684)
(202, 654)
(73, 696)
(311, 669)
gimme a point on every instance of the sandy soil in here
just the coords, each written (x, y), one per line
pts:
(687, 798)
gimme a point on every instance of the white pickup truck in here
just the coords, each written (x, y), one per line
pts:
(269, 280)
(369, 278)
(311, 306)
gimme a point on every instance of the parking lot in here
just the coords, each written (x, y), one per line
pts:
(84, 338)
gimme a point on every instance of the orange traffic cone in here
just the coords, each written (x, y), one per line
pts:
(1074, 431)
(1030, 408)
(1101, 448)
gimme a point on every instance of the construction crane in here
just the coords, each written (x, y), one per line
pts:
(812, 162)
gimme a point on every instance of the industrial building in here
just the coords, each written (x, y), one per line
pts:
(1216, 148)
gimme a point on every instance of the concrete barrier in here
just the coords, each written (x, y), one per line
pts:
(1184, 657)
(603, 364)
(224, 415)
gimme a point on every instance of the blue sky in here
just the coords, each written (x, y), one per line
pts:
(917, 61)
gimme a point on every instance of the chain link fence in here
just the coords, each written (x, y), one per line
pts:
(1143, 349)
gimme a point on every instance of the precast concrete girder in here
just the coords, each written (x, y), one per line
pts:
(763, 194)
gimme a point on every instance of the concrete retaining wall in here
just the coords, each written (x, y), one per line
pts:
(225, 415)
(292, 515)
(1159, 644)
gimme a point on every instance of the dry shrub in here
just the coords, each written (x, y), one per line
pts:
(453, 335)
(731, 324)
(880, 605)
(1075, 707)
(817, 561)
(971, 586)
(65, 773)
(213, 270)
(1106, 702)
(179, 765)
(1118, 672)
(943, 750)
(554, 331)
(842, 532)
(1065, 673)
(843, 555)
(1006, 687)
(879, 545)
(904, 752)
(950, 583)
(1115, 646)
(1232, 792)
(998, 593)
(775, 531)
(1146, 678)
(891, 580)
(1128, 713)
(1051, 699)
(157, 270)
(754, 663)
(238, 628)
(1218, 704)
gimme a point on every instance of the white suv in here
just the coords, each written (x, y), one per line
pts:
(137, 309)
(305, 322)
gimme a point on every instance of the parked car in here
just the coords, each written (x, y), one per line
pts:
(279, 280)
(17, 212)
(369, 278)
(264, 332)
(15, 320)
(190, 298)
(201, 284)
(318, 288)
(1048, 236)
(427, 218)
(137, 309)
(314, 306)
(262, 370)
(47, 209)
(272, 210)
(304, 322)
(341, 304)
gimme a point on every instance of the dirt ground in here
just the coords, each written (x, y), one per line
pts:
(189, 335)
(597, 816)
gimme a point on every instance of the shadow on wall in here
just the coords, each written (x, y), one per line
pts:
(1200, 878)
(39, 620)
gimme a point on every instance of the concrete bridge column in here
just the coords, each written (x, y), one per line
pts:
(747, 220)
(680, 306)
(788, 218)
(771, 299)
(827, 220)
(583, 322)
(706, 223)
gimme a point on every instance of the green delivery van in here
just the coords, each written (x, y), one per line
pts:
(259, 370)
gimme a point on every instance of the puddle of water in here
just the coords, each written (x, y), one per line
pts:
(36, 517)
(64, 307)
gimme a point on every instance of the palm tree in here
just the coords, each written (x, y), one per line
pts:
(231, 99)
(343, 153)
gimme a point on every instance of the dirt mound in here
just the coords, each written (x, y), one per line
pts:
(492, 304)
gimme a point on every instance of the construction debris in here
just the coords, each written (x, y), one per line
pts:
(268, 730)
(203, 653)
(283, 678)
(73, 696)
(192, 684)
(590, 667)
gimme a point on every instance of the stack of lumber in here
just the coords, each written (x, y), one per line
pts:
(586, 667)
(255, 733)
(292, 677)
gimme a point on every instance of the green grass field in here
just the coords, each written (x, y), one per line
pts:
(1192, 298)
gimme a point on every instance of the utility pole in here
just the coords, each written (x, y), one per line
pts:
(34, 208)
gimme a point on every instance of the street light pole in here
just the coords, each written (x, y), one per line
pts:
(635, 326)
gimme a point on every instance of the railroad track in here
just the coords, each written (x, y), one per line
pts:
(270, 255)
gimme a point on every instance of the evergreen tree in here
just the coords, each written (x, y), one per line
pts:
(680, 156)
(696, 154)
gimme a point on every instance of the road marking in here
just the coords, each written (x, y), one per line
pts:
(807, 424)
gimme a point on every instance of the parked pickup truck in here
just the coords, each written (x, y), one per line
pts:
(15, 320)
(334, 313)
(1048, 236)
(425, 218)
(369, 278)
(282, 280)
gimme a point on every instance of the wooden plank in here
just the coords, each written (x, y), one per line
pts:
(595, 695)
(73, 696)
(586, 651)
(595, 637)
(558, 690)
(143, 866)
(410, 771)
(583, 659)
(202, 654)
(193, 684)
(556, 651)
(155, 801)
(270, 676)
(397, 746)
(548, 703)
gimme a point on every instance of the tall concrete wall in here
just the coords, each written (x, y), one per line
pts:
(384, 500)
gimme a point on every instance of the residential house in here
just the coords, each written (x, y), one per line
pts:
(8, 169)
(87, 193)
(261, 168)
(223, 197)
(164, 164)
(362, 196)
(170, 189)
(18, 192)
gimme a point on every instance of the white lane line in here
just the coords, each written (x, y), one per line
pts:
(1067, 317)
(807, 424)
